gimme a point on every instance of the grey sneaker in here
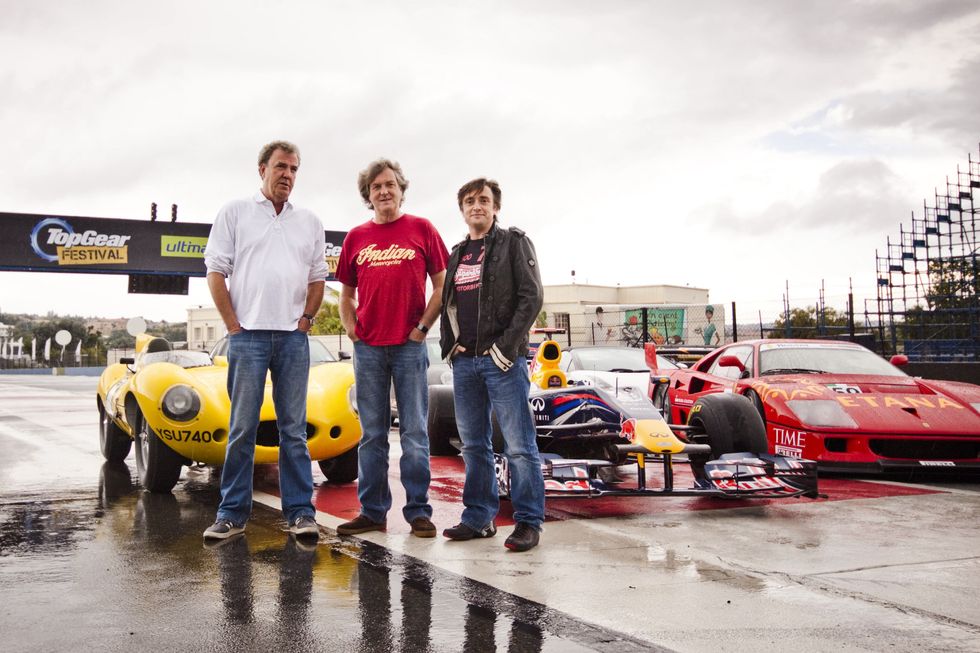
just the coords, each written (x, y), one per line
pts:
(222, 529)
(305, 526)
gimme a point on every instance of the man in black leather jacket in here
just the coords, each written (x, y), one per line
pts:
(490, 300)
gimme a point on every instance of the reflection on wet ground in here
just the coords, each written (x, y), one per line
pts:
(90, 562)
(126, 569)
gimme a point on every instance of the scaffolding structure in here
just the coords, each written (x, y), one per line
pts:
(929, 279)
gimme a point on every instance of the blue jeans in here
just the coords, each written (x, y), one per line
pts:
(375, 369)
(478, 385)
(287, 355)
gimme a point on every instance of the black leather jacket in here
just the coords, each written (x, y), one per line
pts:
(509, 302)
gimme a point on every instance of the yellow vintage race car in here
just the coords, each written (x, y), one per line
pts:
(175, 406)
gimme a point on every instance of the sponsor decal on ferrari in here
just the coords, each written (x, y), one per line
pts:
(788, 451)
(937, 463)
(789, 442)
(790, 437)
(805, 345)
(809, 390)
(54, 240)
(898, 401)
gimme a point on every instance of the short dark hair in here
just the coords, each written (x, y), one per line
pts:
(266, 152)
(709, 309)
(375, 168)
(477, 186)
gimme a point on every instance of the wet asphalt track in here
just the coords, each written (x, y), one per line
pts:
(90, 562)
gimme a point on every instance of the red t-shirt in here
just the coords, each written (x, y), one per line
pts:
(388, 264)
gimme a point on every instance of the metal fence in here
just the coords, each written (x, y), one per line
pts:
(929, 336)
(69, 360)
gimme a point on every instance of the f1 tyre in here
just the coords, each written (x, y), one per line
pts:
(441, 421)
(730, 423)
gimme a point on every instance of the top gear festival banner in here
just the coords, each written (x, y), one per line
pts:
(42, 243)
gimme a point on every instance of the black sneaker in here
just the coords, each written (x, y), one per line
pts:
(461, 532)
(524, 538)
(222, 529)
(305, 526)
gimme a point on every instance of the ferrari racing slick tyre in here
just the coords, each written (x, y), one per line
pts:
(113, 441)
(730, 423)
(341, 469)
(496, 434)
(441, 422)
(157, 465)
(756, 400)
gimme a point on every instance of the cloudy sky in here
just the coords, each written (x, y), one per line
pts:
(727, 145)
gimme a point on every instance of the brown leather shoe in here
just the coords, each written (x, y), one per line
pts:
(423, 527)
(360, 524)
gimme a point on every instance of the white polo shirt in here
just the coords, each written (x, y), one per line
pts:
(269, 260)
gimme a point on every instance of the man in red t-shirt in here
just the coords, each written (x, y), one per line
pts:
(383, 268)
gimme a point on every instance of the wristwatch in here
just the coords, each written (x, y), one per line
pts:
(308, 316)
(421, 327)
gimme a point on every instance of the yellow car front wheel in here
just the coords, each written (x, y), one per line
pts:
(157, 465)
(342, 469)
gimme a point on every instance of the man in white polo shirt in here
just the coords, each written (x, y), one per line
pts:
(272, 255)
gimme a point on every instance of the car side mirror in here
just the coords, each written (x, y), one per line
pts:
(731, 361)
(650, 355)
(127, 360)
(220, 361)
(343, 355)
(899, 360)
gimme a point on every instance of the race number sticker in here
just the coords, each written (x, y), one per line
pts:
(844, 389)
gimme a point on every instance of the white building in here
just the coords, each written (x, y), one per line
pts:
(610, 315)
(204, 327)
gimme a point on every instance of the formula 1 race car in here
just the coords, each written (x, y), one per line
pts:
(175, 406)
(586, 433)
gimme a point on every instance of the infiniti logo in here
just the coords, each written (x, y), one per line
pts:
(537, 404)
